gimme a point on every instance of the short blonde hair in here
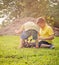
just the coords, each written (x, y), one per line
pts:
(40, 19)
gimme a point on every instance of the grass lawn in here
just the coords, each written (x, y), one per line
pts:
(10, 55)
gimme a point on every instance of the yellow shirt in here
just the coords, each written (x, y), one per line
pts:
(46, 32)
(30, 25)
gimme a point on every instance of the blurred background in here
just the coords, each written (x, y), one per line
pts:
(13, 13)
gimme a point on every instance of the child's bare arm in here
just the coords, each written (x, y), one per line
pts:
(47, 38)
(20, 30)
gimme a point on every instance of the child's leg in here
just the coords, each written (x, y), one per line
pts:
(36, 41)
(35, 37)
(22, 42)
(45, 44)
(23, 36)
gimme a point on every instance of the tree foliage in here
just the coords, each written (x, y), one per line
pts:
(31, 8)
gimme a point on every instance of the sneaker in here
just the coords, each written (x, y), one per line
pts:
(52, 47)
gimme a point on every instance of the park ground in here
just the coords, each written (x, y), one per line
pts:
(10, 55)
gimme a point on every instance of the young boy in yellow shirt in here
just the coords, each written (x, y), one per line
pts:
(46, 34)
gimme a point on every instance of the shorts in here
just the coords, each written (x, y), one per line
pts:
(27, 34)
(44, 42)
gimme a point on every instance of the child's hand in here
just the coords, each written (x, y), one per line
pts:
(41, 38)
(16, 31)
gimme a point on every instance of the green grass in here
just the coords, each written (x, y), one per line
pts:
(10, 55)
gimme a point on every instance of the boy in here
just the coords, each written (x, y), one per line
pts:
(46, 34)
(28, 29)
